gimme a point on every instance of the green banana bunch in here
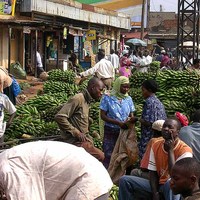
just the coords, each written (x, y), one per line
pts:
(114, 192)
(67, 76)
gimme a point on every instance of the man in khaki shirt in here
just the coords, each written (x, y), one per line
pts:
(73, 118)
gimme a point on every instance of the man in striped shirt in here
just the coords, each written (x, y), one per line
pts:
(163, 155)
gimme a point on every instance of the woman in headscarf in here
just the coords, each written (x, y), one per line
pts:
(153, 110)
(115, 110)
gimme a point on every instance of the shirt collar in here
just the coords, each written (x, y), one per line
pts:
(87, 96)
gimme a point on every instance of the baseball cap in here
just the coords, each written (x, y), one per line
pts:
(157, 125)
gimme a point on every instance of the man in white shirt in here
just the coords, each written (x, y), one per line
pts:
(104, 70)
(114, 59)
(39, 63)
(49, 170)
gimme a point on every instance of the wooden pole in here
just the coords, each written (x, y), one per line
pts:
(142, 20)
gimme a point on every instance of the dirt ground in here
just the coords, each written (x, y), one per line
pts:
(36, 85)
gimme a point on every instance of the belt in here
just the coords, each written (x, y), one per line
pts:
(105, 78)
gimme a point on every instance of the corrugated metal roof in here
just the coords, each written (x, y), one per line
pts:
(69, 10)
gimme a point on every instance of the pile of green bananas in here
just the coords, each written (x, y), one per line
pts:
(47, 101)
(138, 78)
(67, 76)
(60, 86)
(36, 116)
(170, 78)
(114, 192)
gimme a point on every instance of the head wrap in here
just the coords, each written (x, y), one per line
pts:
(157, 125)
(182, 118)
(117, 85)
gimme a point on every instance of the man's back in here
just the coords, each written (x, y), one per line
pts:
(114, 59)
(52, 170)
(191, 136)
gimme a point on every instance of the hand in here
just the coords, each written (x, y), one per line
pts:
(133, 119)
(123, 125)
(169, 145)
(82, 137)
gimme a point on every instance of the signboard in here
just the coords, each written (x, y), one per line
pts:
(91, 35)
(7, 7)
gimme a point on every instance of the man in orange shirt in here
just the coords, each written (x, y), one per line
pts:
(163, 155)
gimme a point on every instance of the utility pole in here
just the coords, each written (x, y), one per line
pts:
(142, 20)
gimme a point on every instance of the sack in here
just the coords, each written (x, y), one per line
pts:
(15, 87)
(44, 76)
(17, 71)
(124, 154)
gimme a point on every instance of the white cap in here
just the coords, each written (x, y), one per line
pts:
(163, 51)
(157, 125)
(124, 52)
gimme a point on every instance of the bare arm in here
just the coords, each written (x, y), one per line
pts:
(11, 117)
(169, 147)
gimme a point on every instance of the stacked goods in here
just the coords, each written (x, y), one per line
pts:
(36, 117)
(179, 91)
(67, 76)
(59, 86)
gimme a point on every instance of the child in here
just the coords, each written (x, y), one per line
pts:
(185, 176)
(6, 104)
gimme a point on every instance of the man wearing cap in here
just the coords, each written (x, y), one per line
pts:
(163, 155)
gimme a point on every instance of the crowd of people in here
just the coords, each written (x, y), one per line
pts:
(168, 150)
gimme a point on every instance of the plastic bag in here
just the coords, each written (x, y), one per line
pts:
(17, 71)
(16, 87)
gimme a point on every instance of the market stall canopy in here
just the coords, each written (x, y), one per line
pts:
(136, 42)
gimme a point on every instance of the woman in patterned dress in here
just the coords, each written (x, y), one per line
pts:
(153, 110)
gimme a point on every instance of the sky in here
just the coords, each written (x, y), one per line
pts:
(167, 5)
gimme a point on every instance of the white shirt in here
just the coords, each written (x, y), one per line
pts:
(49, 170)
(5, 104)
(39, 60)
(114, 59)
(103, 69)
